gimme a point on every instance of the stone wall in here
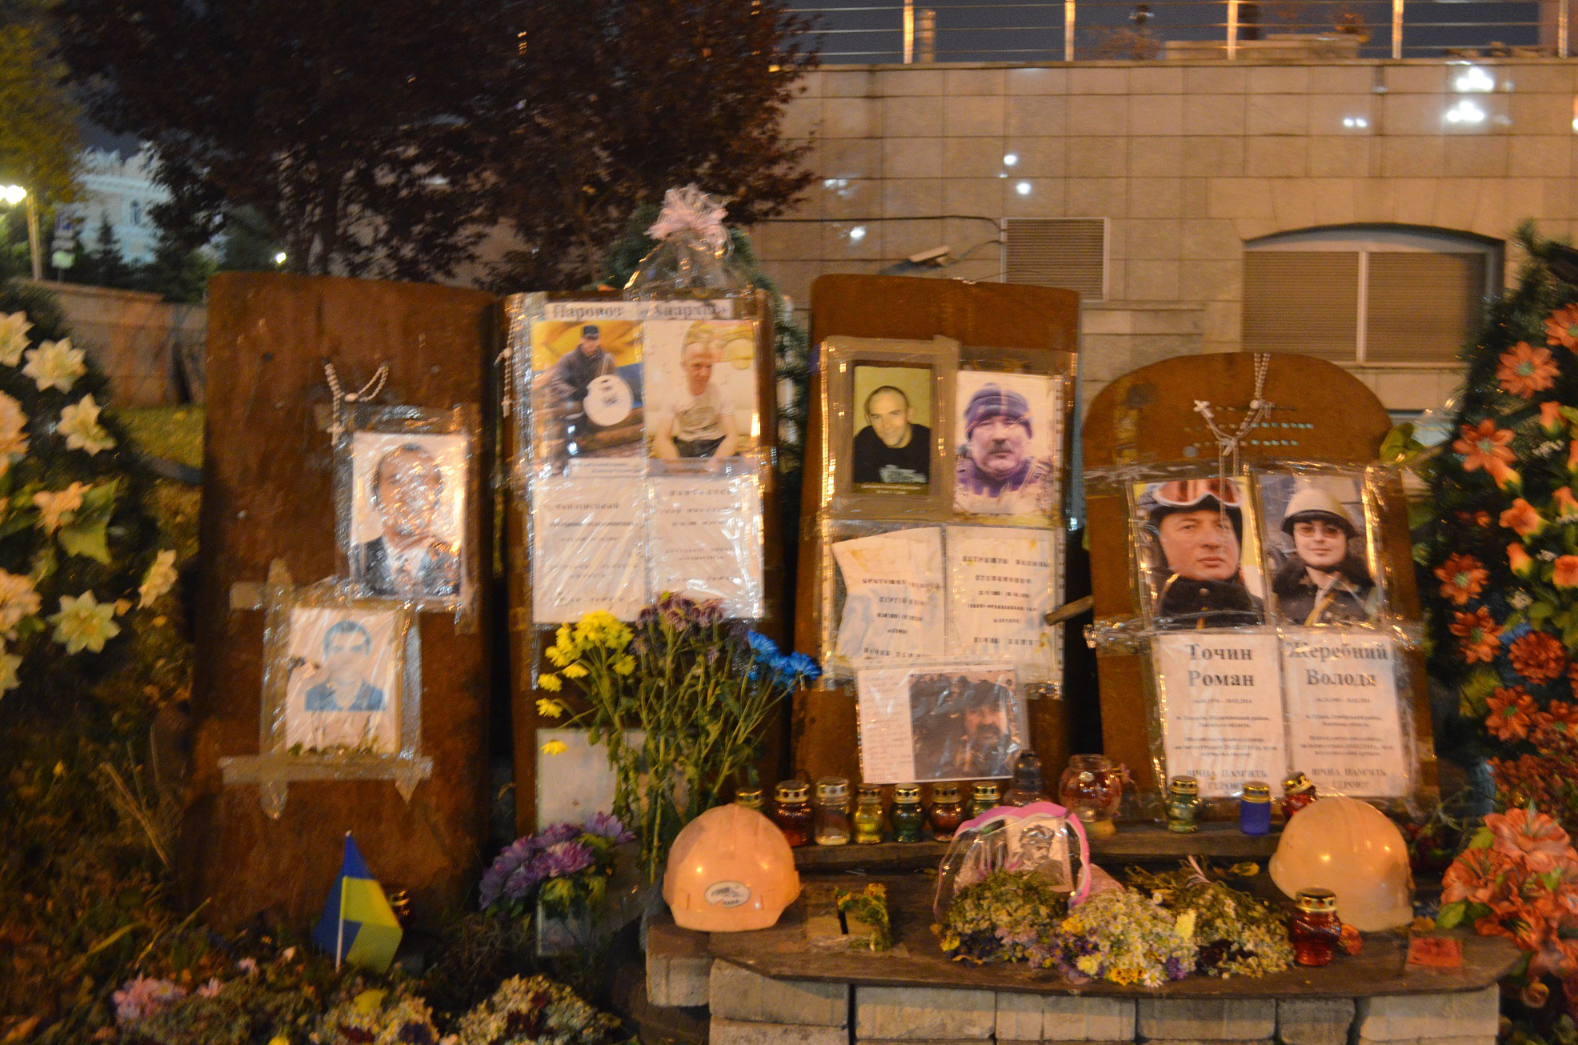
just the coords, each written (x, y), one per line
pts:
(749, 1009)
(1188, 160)
(138, 340)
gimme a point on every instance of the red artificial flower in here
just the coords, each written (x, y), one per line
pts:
(1566, 504)
(1519, 832)
(1511, 712)
(1566, 575)
(1538, 656)
(1561, 327)
(1518, 558)
(1462, 578)
(1478, 635)
(1522, 519)
(1483, 444)
(1551, 416)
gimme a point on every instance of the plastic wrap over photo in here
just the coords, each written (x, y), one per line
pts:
(701, 389)
(1195, 547)
(1007, 442)
(408, 514)
(343, 692)
(1317, 550)
(587, 394)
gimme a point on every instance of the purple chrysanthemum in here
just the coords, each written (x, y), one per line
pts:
(607, 825)
(563, 858)
(556, 833)
(497, 879)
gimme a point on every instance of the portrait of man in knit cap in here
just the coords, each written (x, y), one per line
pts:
(1007, 440)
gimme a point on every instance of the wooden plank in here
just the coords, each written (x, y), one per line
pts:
(267, 494)
(977, 315)
(788, 951)
(1320, 413)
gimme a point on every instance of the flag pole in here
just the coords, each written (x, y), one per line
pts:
(339, 943)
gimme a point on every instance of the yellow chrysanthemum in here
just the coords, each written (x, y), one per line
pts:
(554, 747)
(574, 671)
(549, 708)
(558, 657)
(625, 665)
(550, 683)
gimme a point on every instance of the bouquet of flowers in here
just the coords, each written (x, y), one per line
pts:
(373, 1017)
(697, 689)
(1519, 878)
(529, 1012)
(1005, 917)
(1235, 933)
(1122, 936)
(566, 865)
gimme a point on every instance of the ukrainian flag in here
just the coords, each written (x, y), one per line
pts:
(358, 924)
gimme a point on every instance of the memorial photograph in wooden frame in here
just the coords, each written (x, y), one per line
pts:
(854, 365)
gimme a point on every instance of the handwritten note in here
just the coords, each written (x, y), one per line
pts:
(706, 541)
(893, 601)
(587, 551)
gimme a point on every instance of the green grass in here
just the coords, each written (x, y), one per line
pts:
(175, 432)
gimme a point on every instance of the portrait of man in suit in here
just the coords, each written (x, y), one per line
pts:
(409, 494)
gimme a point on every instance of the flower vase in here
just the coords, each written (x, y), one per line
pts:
(561, 931)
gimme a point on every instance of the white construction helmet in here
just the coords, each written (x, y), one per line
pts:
(729, 870)
(1351, 848)
(1314, 502)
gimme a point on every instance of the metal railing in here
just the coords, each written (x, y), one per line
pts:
(865, 32)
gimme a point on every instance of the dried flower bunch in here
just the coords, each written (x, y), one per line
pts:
(1005, 917)
(1236, 934)
(566, 865)
(696, 689)
(869, 907)
(537, 1011)
(1122, 936)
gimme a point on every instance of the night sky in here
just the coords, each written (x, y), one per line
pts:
(859, 31)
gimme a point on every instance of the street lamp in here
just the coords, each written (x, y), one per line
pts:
(11, 195)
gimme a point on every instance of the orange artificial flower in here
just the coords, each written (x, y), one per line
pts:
(1538, 656)
(1511, 711)
(1566, 506)
(1483, 444)
(1505, 475)
(1525, 370)
(1572, 456)
(1566, 575)
(1561, 327)
(1518, 558)
(1462, 578)
(1477, 634)
(1551, 416)
(1522, 519)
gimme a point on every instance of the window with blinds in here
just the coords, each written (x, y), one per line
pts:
(1302, 301)
(1057, 252)
(1371, 304)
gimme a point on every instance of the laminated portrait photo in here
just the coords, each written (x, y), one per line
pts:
(587, 397)
(893, 418)
(1196, 548)
(1007, 444)
(701, 389)
(408, 516)
(1317, 549)
(343, 691)
(960, 721)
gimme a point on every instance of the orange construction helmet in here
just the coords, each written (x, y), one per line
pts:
(730, 870)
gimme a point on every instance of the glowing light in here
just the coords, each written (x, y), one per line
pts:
(12, 194)
(1465, 111)
(1009, 159)
(1023, 188)
(280, 258)
(1355, 122)
(857, 234)
(1474, 79)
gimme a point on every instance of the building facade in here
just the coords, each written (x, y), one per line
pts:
(1355, 209)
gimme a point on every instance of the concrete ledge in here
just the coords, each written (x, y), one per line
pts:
(1314, 1021)
(1411, 1017)
(1207, 1019)
(744, 1032)
(679, 966)
(1041, 1017)
(738, 993)
(924, 1014)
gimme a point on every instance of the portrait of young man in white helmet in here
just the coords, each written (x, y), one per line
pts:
(1322, 577)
